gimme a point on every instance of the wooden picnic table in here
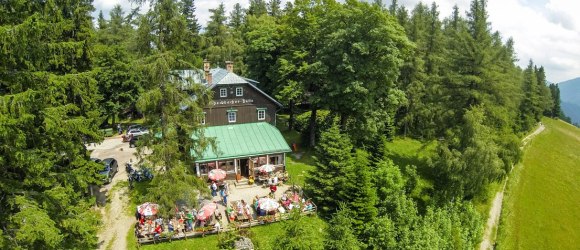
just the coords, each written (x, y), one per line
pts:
(244, 216)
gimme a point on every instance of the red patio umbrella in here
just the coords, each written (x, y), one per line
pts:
(206, 211)
(216, 175)
(148, 209)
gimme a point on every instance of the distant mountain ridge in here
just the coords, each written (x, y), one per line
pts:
(570, 98)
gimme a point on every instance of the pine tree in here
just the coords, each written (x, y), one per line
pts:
(170, 112)
(556, 110)
(236, 17)
(274, 8)
(341, 235)
(48, 109)
(333, 154)
(298, 234)
(188, 11)
(101, 21)
(257, 8)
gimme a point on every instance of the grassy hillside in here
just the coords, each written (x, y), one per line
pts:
(541, 206)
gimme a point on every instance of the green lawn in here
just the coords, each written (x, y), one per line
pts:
(542, 202)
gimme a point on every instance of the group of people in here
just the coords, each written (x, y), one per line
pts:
(293, 201)
(184, 221)
(240, 211)
(224, 191)
(149, 226)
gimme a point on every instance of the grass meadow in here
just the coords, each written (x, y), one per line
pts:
(541, 208)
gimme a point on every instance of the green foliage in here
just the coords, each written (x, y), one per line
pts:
(324, 120)
(48, 106)
(298, 234)
(341, 236)
(341, 177)
(263, 50)
(472, 162)
(172, 114)
(175, 184)
(333, 156)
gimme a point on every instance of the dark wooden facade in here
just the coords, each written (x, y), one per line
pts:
(246, 106)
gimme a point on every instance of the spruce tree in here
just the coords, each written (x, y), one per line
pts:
(188, 11)
(48, 109)
(333, 154)
(236, 17)
(171, 112)
(341, 234)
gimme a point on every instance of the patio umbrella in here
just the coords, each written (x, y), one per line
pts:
(216, 175)
(266, 168)
(148, 209)
(206, 211)
(268, 204)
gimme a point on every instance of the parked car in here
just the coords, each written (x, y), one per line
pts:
(138, 131)
(139, 126)
(133, 141)
(111, 168)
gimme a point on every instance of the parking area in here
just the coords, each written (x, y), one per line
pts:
(113, 147)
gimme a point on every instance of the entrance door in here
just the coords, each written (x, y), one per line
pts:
(244, 169)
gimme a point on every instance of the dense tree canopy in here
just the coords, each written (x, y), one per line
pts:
(48, 107)
(355, 75)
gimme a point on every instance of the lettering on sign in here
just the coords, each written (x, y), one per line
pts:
(232, 102)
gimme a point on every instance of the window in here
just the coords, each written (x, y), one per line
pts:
(203, 119)
(239, 91)
(223, 92)
(261, 114)
(231, 116)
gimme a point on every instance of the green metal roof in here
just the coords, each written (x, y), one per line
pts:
(243, 140)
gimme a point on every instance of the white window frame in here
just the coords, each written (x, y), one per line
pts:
(263, 112)
(230, 120)
(241, 91)
(223, 92)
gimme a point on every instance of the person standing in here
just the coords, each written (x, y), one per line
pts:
(224, 194)
(189, 221)
(213, 188)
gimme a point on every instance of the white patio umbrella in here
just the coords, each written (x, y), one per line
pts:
(148, 209)
(268, 204)
(267, 168)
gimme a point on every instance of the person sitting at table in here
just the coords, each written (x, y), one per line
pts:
(308, 206)
(286, 203)
(248, 209)
(218, 215)
(273, 189)
(230, 213)
(240, 208)
(170, 227)
(181, 224)
(157, 231)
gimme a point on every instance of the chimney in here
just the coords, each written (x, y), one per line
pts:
(230, 66)
(207, 75)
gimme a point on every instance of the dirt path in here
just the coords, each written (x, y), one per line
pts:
(116, 221)
(495, 211)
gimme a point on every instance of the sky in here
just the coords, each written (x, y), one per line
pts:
(545, 31)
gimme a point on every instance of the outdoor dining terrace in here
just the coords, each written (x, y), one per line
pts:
(248, 206)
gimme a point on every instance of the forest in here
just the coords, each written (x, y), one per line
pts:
(352, 76)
